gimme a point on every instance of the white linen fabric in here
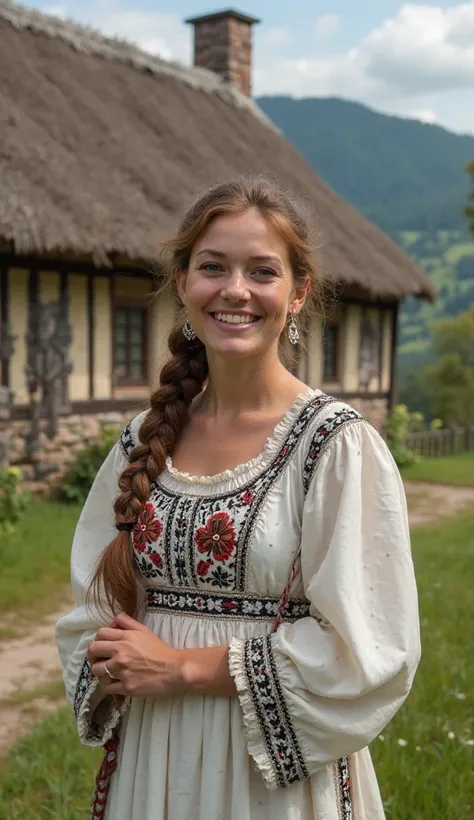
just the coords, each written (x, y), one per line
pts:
(213, 555)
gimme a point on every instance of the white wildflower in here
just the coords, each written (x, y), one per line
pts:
(402, 742)
(382, 738)
(418, 748)
(451, 735)
(469, 742)
(460, 696)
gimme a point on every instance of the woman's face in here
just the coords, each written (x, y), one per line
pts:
(239, 288)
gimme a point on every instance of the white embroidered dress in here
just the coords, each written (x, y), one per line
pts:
(214, 555)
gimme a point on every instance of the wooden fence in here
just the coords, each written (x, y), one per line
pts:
(442, 442)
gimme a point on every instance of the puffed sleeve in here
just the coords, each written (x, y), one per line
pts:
(320, 689)
(96, 716)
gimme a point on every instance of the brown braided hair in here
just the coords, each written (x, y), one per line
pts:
(183, 377)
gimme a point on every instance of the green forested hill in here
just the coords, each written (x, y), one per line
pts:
(408, 178)
(403, 174)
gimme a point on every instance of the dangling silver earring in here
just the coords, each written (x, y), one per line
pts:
(188, 331)
(293, 332)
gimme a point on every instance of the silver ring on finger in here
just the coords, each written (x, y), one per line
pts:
(109, 674)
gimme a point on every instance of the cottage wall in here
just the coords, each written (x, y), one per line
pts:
(93, 396)
(96, 398)
(372, 399)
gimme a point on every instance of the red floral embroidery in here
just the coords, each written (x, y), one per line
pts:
(147, 529)
(248, 496)
(203, 568)
(217, 537)
(156, 559)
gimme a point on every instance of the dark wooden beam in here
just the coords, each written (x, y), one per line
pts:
(60, 265)
(4, 316)
(393, 360)
(91, 332)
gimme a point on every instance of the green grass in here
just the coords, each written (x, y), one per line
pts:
(52, 690)
(435, 781)
(49, 776)
(458, 469)
(34, 578)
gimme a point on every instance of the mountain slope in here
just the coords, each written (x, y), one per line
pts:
(405, 176)
(402, 174)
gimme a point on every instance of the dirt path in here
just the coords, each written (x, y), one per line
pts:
(429, 503)
(29, 664)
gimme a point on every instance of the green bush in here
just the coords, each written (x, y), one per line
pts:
(13, 500)
(398, 425)
(80, 475)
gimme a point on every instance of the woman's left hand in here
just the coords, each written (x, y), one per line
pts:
(142, 663)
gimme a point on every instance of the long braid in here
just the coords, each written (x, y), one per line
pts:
(181, 379)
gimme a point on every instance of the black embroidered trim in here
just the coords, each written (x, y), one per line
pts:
(126, 440)
(342, 774)
(222, 604)
(321, 438)
(272, 712)
(82, 686)
(94, 730)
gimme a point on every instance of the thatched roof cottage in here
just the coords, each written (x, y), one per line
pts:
(101, 145)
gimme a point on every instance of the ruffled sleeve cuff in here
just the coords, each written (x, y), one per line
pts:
(96, 716)
(271, 737)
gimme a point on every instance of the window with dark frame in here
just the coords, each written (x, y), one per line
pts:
(130, 344)
(331, 352)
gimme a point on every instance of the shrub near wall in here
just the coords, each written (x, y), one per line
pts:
(13, 500)
(80, 475)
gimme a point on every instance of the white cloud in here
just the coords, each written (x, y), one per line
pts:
(402, 66)
(421, 52)
(276, 37)
(423, 49)
(57, 11)
(326, 25)
(161, 33)
(157, 32)
(423, 114)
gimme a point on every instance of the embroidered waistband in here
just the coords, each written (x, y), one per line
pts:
(223, 604)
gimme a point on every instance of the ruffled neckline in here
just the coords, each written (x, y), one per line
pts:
(243, 472)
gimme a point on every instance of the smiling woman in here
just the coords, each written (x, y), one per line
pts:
(239, 291)
(251, 624)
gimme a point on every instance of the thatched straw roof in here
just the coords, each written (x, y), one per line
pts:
(101, 145)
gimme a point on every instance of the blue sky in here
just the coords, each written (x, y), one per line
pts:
(413, 59)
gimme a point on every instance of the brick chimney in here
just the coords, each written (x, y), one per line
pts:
(223, 43)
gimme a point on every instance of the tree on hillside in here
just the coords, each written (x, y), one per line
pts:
(469, 209)
(449, 383)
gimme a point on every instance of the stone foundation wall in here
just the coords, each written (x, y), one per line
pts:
(53, 457)
(374, 410)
